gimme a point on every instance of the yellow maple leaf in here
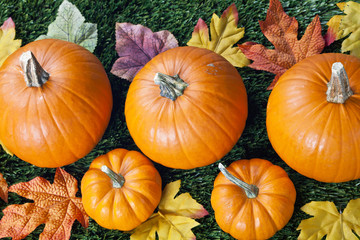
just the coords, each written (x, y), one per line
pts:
(174, 220)
(329, 221)
(341, 26)
(8, 44)
(224, 34)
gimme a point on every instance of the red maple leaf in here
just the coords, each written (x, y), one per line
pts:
(282, 31)
(54, 204)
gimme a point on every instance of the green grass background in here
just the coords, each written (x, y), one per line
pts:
(32, 18)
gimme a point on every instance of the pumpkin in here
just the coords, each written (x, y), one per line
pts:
(55, 102)
(121, 189)
(186, 108)
(313, 117)
(252, 199)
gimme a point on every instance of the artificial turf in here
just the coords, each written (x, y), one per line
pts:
(32, 18)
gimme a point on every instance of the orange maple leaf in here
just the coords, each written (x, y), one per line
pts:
(3, 189)
(282, 31)
(54, 204)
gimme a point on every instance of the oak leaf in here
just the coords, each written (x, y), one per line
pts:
(70, 26)
(3, 188)
(136, 45)
(329, 221)
(224, 34)
(282, 31)
(8, 43)
(54, 204)
(174, 219)
(348, 25)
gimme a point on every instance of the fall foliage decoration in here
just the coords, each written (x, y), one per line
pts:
(282, 30)
(174, 219)
(312, 117)
(121, 189)
(55, 102)
(252, 199)
(186, 108)
(55, 205)
(8, 44)
(327, 220)
(136, 45)
(224, 34)
(348, 25)
(70, 25)
(3, 188)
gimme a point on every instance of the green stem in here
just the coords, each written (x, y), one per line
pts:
(35, 75)
(251, 191)
(117, 179)
(171, 87)
(338, 90)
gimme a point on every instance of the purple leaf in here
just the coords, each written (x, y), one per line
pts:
(136, 45)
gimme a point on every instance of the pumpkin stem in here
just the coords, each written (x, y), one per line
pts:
(35, 75)
(171, 87)
(338, 90)
(251, 190)
(117, 179)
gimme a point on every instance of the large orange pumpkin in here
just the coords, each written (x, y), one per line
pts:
(186, 108)
(252, 199)
(121, 189)
(55, 102)
(313, 117)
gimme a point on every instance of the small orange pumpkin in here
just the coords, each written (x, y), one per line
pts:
(252, 199)
(186, 108)
(121, 189)
(313, 117)
(55, 102)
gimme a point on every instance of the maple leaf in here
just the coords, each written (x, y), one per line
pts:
(174, 218)
(70, 26)
(224, 34)
(136, 45)
(328, 221)
(282, 30)
(8, 44)
(341, 26)
(3, 188)
(54, 204)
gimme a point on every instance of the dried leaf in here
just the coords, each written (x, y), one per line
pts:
(224, 34)
(282, 30)
(174, 218)
(136, 45)
(328, 221)
(8, 44)
(70, 25)
(341, 26)
(54, 204)
(3, 188)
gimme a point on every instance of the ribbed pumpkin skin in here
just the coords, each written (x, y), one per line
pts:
(126, 207)
(316, 138)
(62, 121)
(199, 127)
(260, 217)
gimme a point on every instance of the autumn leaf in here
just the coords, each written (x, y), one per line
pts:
(70, 26)
(54, 204)
(224, 34)
(3, 188)
(282, 31)
(328, 221)
(341, 26)
(136, 45)
(8, 44)
(174, 220)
